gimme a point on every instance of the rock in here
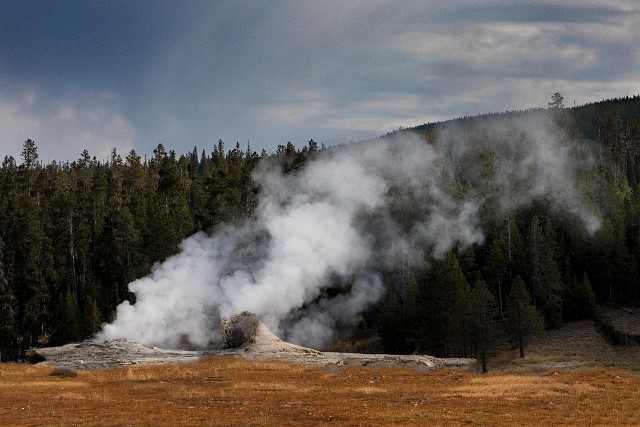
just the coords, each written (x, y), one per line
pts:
(239, 329)
(89, 355)
(245, 332)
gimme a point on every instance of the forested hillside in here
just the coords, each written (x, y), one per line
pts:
(73, 235)
(558, 268)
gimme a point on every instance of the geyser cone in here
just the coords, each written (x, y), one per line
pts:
(239, 329)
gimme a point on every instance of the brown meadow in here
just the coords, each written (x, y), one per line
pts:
(250, 392)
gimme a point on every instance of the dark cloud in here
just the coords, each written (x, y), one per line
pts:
(93, 43)
(542, 12)
(187, 73)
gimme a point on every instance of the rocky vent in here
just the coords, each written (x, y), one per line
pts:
(239, 329)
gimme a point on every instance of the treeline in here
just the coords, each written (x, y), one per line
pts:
(74, 235)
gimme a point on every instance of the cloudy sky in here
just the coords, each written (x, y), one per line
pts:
(129, 74)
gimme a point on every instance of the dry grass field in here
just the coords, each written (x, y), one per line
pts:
(571, 376)
(230, 392)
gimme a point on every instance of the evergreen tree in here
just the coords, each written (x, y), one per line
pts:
(445, 299)
(546, 283)
(484, 309)
(410, 311)
(29, 154)
(496, 269)
(313, 146)
(390, 320)
(117, 242)
(24, 268)
(67, 327)
(92, 320)
(581, 302)
(7, 312)
(400, 315)
(523, 321)
(557, 101)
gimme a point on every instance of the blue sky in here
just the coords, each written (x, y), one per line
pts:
(107, 74)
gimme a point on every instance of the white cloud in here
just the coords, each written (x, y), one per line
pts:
(293, 107)
(63, 127)
(496, 47)
(12, 126)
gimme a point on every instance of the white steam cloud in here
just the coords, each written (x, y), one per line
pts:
(351, 212)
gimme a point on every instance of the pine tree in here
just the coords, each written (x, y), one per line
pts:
(496, 269)
(484, 309)
(92, 320)
(446, 299)
(389, 320)
(7, 311)
(400, 315)
(546, 283)
(581, 301)
(25, 257)
(67, 320)
(410, 311)
(557, 101)
(29, 154)
(523, 321)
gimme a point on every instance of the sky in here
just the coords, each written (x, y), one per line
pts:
(132, 74)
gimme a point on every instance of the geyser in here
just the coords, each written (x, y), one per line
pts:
(351, 212)
(239, 329)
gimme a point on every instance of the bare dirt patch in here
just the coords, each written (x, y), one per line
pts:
(576, 345)
(623, 319)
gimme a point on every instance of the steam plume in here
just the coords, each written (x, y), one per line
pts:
(350, 211)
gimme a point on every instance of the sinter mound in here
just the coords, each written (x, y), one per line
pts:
(242, 335)
(246, 332)
(91, 355)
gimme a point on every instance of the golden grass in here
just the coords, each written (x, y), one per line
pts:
(229, 392)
